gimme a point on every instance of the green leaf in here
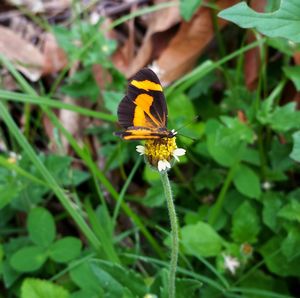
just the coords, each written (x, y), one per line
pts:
(8, 274)
(291, 211)
(276, 261)
(112, 100)
(285, 118)
(127, 278)
(295, 154)
(224, 151)
(88, 293)
(37, 288)
(65, 249)
(28, 259)
(109, 284)
(188, 8)
(284, 22)
(293, 73)
(245, 224)
(84, 277)
(272, 202)
(279, 156)
(259, 280)
(186, 287)
(247, 182)
(201, 240)
(208, 178)
(236, 131)
(7, 195)
(41, 227)
(82, 83)
(160, 285)
(182, 111)
(290, 245)
(154, 196)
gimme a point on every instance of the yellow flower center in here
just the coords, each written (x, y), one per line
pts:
(159, 149)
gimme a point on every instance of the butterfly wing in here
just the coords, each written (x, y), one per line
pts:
(145, 104)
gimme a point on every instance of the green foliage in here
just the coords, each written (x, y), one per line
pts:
(103, 277)
(65, 250)
(41, 227)
(247, 182)
(94, 224)
(201, 240)
(293, 73)
(37, 288)
(83, 83)
(295, 154)
(282, 23)
(42, 233)
(245, 224)
(188, 8)
(28, 259)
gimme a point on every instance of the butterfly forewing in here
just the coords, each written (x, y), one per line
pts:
(143, 111)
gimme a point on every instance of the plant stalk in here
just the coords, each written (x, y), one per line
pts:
(174, 233)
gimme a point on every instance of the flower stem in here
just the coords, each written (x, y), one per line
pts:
(174, 233)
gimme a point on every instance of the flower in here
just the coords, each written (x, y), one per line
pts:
(150, 296)
(13, 157)
(267, 185)
(160, 153)
(231, 263)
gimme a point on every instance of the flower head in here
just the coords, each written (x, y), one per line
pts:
(231, 263)
(160, 153)
(13, 157)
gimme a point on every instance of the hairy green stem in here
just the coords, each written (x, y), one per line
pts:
(174, 233)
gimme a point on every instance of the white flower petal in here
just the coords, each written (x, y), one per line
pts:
(179, 152)
(160, 165)
(174, 132)
(140, 149)
(163, 165)
(167, 164)
(176, 157)
(231, 263)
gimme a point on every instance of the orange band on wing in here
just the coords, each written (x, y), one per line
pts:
(146, 85)
(143, 102)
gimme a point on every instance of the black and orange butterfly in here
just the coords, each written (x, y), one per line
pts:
(143, 111)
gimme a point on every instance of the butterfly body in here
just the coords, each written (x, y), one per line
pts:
(143, 111)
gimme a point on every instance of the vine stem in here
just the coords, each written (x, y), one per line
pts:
(174, 233)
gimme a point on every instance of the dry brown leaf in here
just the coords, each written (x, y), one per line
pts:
(123, 57)
(187, 45)
(251, 64)
(55, 57)
(27, 58)
(159, 21)
(42, 6)
(297, 58)
(72, 122)
(252, 57)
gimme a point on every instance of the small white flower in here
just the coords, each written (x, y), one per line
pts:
(178, 152)
(13, 157)
(150, 296)
(140, 149)
(267, 185)
(231, 263)
(163, 165)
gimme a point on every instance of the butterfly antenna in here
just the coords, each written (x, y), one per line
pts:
(185, 125)
(188, 123)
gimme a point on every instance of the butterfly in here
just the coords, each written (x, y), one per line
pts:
(143, 111)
